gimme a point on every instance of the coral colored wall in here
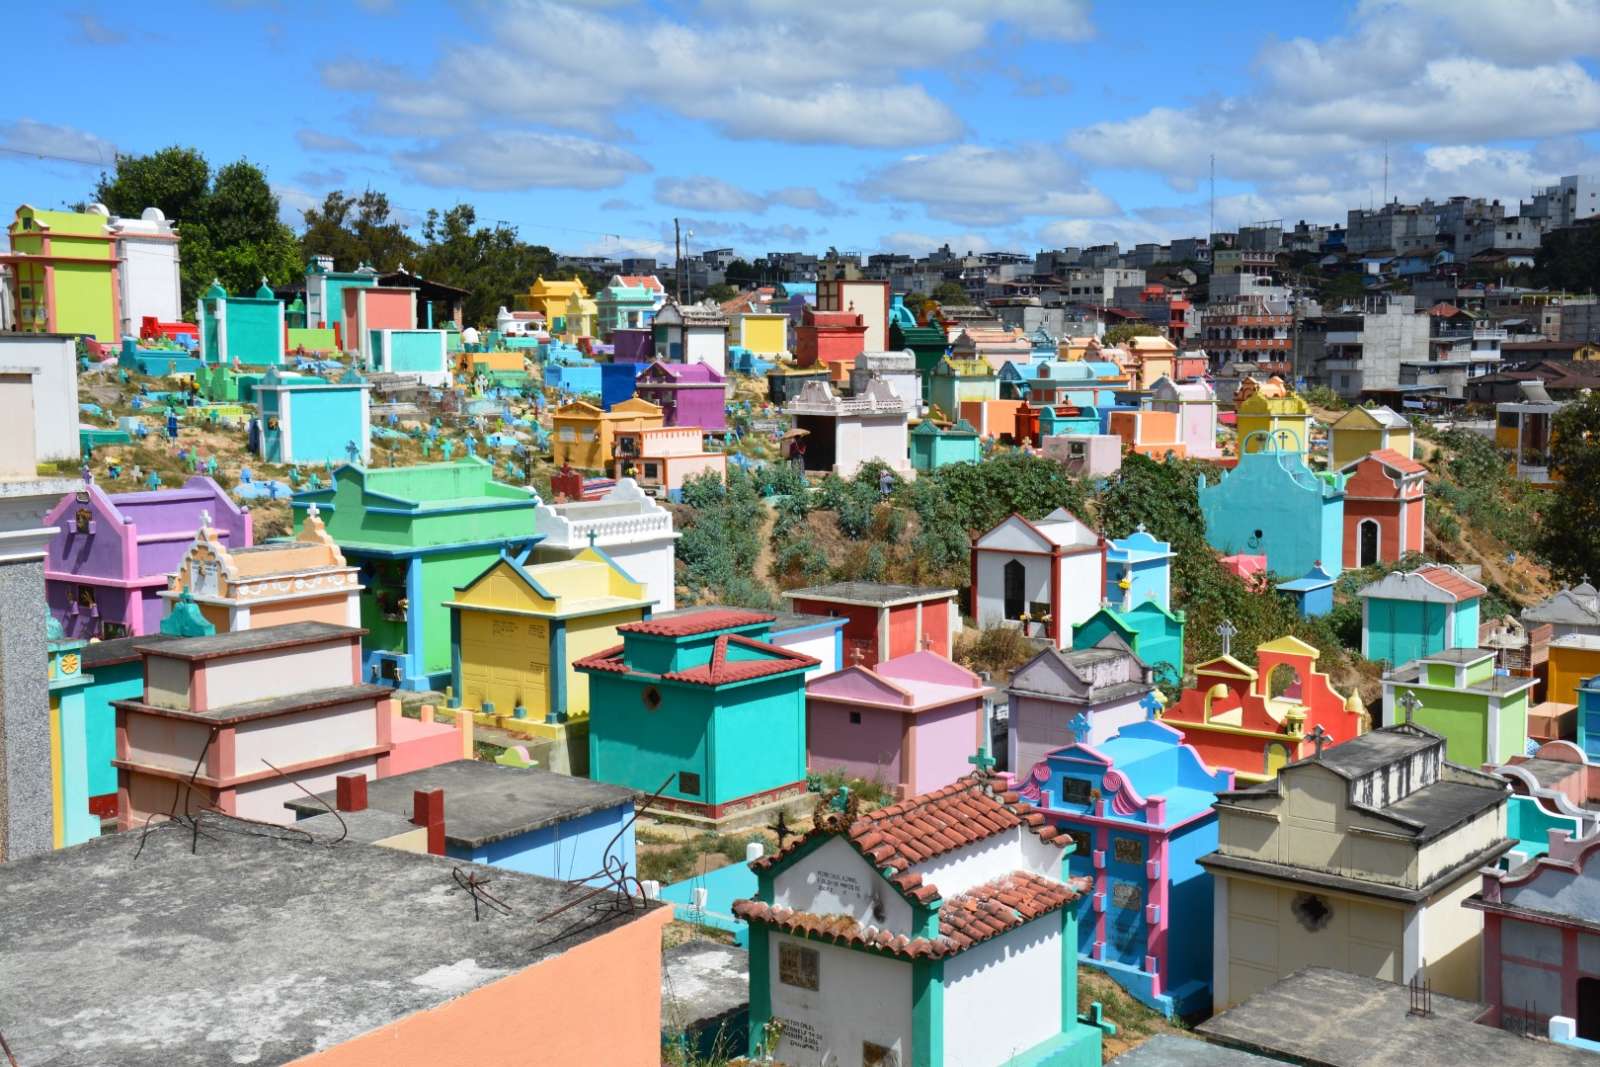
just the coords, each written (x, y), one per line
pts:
(564, 1010)
(902, 630)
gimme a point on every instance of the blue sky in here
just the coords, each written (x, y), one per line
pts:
(893, 124)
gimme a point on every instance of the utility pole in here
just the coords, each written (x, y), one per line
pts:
(677, 257)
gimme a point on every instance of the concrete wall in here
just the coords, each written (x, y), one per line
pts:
(859, 998)
(561, 1010)
(1003, 996)
(269, 674)
(55, 389)
(315, 734)
(708, 345)
(833, 879)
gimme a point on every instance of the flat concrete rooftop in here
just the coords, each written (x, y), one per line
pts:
(256, 948)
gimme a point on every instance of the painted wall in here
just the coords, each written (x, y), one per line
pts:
(1039, 726)
(55, 389)
(269, 674)
(945, 740)
(304, 736)
(421, 353)
(1403, 630)
(564, 1007)
(1569, 665)
(1003, 996)
(571, 849)
(859, 998)
(264, 800)
(834, 879)
(869, 748)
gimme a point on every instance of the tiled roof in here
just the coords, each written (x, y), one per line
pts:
(719, 670)
(1397, 462)
(1452, 581)
(982, 912)
(916, 830)
(688, 624)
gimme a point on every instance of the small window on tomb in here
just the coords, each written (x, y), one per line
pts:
(855, 718)
(1075, 790)
(1128, 850)
(1312, 911)
(86, 596)
(875, 1055)
(797, 965)
(689, 783)
(1081, 842)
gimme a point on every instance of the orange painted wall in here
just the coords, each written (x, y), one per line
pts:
(902, 630)
(312, 609)
(936, 624)
(598, 1002)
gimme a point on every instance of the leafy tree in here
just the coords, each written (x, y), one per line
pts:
(1570, 533)
(495, 264)
(1569, 258)
(720, 292)
(742, 275)
(357, 230)
(951, 293)
(1123, 333)
(229, 220)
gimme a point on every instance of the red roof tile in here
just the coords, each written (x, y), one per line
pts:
(915, 830)
(980, 913)
(1397, 462)
(1452, 581)
(720, 671)
(687, 624)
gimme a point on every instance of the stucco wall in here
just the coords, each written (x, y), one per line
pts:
(269, 674)
(1039, 727)
(859, 998)
(1452, 941)
(869, 749)
(157, 741)
(265, 799)
(304, 736)
(55, 389)
(1003, 996)
(166, 682)
(561, 1010)
(708, 346)
(833, 879)
(945, 740)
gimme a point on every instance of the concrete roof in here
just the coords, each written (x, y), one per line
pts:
(1172, 1050)
(703, 985)
(485, 802)
(268, 707)
(880, 594)
(1343, 1020)
(256, 947)
(244, 642)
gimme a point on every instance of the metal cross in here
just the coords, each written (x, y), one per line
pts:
(1410, 703)
(1319, 737)
(1226, 630)
(982, 760)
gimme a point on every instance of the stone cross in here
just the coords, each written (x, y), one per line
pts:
(205, 519)
(313, 512)
(1409, 702)
(1319, 737)
(1227, 631)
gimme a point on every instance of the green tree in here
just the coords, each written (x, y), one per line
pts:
(228, 220)
(356, 230)
(720, 292)
(1570, 531)
(1121, 334)
(495, 264)
(951, 293)
(742, 275)
(1569, 258)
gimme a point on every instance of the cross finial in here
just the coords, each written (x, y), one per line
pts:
(313, 512)
(1409, 703)
(205, 519)
(1583, 579)
(592, 535)
(982, 761)
(1227, 631)
(1319, 737)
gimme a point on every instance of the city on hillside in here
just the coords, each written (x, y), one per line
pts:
(683, 535)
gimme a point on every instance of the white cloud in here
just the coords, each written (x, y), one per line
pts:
(707, 194)
(92, 30)
(328, 143)
(842, 74)
(1312, 132)
(511, 160)
(979, 186)
(293, 202)
(30, 137)
(915, 242)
